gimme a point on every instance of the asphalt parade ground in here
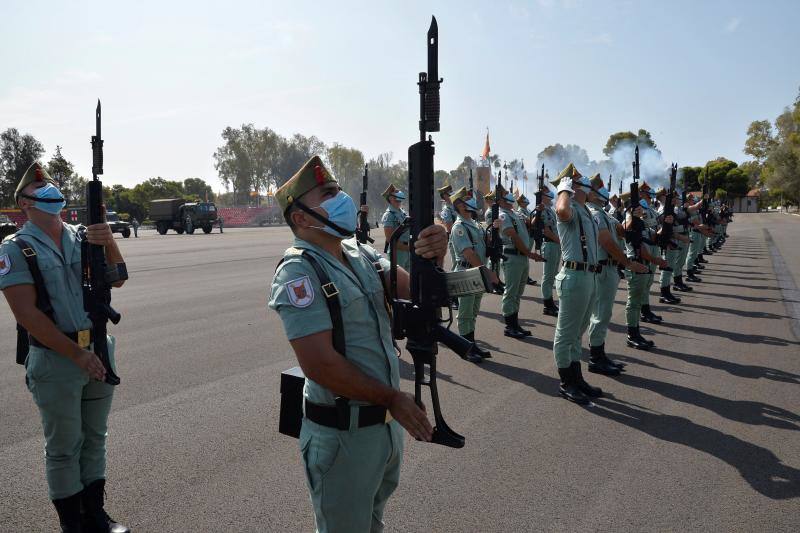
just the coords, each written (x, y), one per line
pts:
(700, 433)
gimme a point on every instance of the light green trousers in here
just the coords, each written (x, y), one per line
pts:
(468, 307)
(672, 257)
(551, 251)
(638, 288)
(679, 265)
(607, 282)
(351, 474)
(694, 250)
(577, 293)
(515, 276)
(74, 413)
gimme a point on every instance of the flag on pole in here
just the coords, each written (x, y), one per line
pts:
(486, 148)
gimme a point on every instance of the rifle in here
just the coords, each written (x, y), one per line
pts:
(362, 233)
(419, 318)
(494, 246)
(633, 233)
(538, 221)
(665, 239)
(96, 276)
(704, 202)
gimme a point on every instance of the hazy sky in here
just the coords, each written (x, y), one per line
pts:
(172, 75)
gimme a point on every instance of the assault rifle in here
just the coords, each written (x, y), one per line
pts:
(538, 221)
(494, 246)
(704, 214)
(665, 239)
(633, 233)
(419, 319)
(97, 277)
(362, 233)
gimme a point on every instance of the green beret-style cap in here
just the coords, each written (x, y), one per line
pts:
(661, 192)
(461, 194)
(35, 172)
(522, 199)
(447, 189)
(596, 181)
(570, 170)
(311, 175)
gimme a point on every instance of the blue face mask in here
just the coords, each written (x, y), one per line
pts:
(342, 216)
(471, 204)
(48, 199)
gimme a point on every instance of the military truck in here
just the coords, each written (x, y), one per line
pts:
(182, 216)
(6, 227)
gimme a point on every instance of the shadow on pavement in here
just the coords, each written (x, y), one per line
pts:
(407, 371)
(734, 369)
(738, 337)
(734, 311)
(760, 467)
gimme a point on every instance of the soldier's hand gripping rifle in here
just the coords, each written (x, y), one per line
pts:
(494, 245)
(418, 319)
(634, 229)
(97, 276)
(362, 232)
(665, 239)
(538, 220)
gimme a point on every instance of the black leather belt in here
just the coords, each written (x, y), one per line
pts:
(575, 265)
(339, 418)
(511, 251)
(84, 338)
(608, 262)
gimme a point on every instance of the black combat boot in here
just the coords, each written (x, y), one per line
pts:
(550, 307)
(635, 339)
(69, 513)
(690, 276)
(599, 363)
(643, 339)
(531, 281)
(701, 259)
(588, 390)
(525, 332)
(94, 517)
(454, 304)
(569, 388)
(483, 353)
(649, 316)
(667, 297)
(679, 285)
(706, 251)
(512, 329)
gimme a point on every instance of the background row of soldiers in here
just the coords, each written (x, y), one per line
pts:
(587, 273)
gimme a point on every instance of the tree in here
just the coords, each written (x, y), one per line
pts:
(198, 189)
(17, 153)
(556, 157)
(688, 178)
(759, 140)
(154, 189)
(717, 173)
(347, 164)
(642, 138)
(60, 169)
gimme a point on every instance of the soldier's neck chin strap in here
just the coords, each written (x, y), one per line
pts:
(43, 200)
(335, 227)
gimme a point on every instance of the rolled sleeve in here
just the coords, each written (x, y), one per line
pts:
(17, 272)
(300, 318)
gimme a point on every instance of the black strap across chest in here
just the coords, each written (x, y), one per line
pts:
(584, 251)
(43, 303)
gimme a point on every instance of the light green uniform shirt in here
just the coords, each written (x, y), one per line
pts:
(607, 222)
(297, 297)
(447, 213)
(570, 234)
(467, 234)
(392, 218)
(550, 219)
(509, 219)
(61, 272)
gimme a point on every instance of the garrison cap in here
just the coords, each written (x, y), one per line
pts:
(661, 192)
(570, 171)
(462, 194)
(596, 181)
(644, 186)
(34, 173)
(311, 175)
(522, 199)
(391, 190)
(447, 189)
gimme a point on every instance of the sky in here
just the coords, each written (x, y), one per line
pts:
(173, 75)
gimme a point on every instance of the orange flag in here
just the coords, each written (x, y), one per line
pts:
(486, 149)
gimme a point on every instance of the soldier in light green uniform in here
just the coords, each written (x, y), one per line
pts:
(517, 252)
(551, 251)
(576, 283)
(650, 219)
(525, 215)
(674, 250)
(610, 254)
(351, 455)
(638, 282)
(466, 240)
(392, 218)
(682, 216)
(447, 216)
(487, 225)
(62, 373)
(696, 245)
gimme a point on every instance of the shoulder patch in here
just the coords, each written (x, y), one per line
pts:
(5, 264)
(460, 232)
(502, 216)
(301, 292)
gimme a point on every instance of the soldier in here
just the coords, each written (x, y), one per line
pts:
(524, 214)
(43, 261)
(447, 216)
(517, 252)
(698, 233)
(650, 219)
(638, 282)
(392, 218)
(351, 440)
(551, 251)
(499, 288)
(681, 227)
(467, 242)
(221, 221)
(674, 251)
(575, 283)
(616, 209)
(135, 224)
(611, 255)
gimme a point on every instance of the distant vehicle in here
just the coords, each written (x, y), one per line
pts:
(182, 216)
(117, 225)
(6, 227)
